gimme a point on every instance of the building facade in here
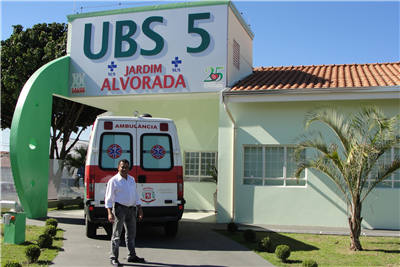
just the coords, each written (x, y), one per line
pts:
(192, 62)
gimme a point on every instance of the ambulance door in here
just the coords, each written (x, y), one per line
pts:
(156, 174)
(114, 146)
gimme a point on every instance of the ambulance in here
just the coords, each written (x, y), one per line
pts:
(152, 148)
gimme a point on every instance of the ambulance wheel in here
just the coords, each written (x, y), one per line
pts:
(90, 228)
(171, 228)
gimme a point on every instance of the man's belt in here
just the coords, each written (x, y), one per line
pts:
(123, 206)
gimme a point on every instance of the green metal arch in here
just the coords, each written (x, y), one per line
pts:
(30, 135)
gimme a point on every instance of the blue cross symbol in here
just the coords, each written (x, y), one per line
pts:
(176, 62)
(112, 66)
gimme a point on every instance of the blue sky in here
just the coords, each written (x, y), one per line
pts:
(286, 33)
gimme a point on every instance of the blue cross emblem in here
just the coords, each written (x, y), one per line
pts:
(114, 151)
(157, 152)
(112, 66)
(176, 62)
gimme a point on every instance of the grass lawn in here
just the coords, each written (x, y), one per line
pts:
(17, 252)
(326, 250)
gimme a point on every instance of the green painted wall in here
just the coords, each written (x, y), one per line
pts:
(320, 203)
(30, 135)
(197, 124)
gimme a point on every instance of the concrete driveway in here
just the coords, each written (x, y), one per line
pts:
(195, 244)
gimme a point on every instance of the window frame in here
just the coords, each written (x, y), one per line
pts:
(171, 152)
(284, 177)
(199, 176)
(101, 152)
(392, 179)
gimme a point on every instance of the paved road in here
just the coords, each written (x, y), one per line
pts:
(195, 245)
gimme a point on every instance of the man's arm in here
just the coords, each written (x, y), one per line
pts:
(111, 217)
(140, 212)
(108, 199)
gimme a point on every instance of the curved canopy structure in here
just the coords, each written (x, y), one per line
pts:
(30, 135)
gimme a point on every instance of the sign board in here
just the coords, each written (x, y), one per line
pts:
(156, 51)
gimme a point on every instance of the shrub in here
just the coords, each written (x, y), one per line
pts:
(81, 205)
(232, 227)
(282, 252)
(264, 244)
(32, 253)
(12, 264)
(45, 241)
(249, 235)
(52, 221)
(60, 206)
(309, 263)
(51, 230)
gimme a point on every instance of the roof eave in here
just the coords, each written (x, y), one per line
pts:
(314, 94)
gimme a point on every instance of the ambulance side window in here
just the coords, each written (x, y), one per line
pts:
(113, 148)
(156, 152)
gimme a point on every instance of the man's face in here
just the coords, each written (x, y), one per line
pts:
(123, 169)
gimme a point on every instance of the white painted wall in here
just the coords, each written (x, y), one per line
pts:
(320, 203)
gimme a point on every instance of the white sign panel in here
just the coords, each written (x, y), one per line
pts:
(181, 50)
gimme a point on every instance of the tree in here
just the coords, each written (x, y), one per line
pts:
(69, 117)
(73, 163)
(352, 161)
(21, 55)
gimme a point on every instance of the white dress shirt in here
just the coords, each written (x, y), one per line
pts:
(121, 190)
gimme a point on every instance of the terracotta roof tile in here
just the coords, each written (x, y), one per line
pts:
(321, 76)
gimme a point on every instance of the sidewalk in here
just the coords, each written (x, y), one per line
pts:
(210, 217)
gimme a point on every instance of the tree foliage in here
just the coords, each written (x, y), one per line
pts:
(24, 52)
(352, 161)
(21, 55)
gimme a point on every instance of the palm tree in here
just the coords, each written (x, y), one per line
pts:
(213, 172)
(73, 163)
(353, 160)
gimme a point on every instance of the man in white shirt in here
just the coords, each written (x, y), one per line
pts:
(121, 201)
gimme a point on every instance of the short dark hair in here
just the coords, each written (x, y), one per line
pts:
(123, 161)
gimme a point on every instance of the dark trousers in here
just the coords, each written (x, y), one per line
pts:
(123, 218)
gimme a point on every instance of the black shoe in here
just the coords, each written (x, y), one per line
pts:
(115, 262)
(136, 259)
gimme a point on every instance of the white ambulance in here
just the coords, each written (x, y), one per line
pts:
(152, 148)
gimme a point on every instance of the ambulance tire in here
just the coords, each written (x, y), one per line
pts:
(90, 228)
(171, 228)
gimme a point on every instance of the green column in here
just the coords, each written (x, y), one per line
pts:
(30, 135)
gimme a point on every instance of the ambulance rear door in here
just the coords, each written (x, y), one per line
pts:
(156, 171)
(117, 141)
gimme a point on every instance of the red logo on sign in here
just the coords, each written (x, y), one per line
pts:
(148, 195)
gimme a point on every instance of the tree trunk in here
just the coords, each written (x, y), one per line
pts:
(355, 226)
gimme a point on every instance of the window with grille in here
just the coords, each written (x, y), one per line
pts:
(236, 54)
(197, 163)
(270, 166)
(393, 181)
